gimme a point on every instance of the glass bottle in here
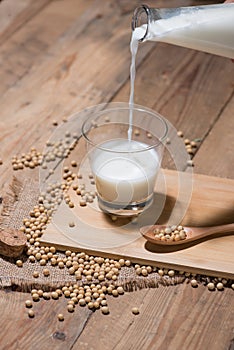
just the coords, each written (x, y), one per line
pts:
(208, 28)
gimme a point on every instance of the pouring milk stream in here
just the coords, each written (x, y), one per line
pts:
(126, 173)
(208, 28)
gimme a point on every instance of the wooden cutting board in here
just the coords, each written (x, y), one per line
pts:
(197, 200)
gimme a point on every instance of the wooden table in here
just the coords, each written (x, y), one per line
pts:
(60, 56)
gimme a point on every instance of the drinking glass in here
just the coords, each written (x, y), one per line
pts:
(125, 157)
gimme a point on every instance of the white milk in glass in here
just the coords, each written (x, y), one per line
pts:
(208, 28)
(125, 177)
(127, 173)
(129, 176)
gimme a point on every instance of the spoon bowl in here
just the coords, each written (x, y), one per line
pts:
(193, 234)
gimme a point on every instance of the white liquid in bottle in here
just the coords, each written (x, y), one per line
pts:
(206, 28)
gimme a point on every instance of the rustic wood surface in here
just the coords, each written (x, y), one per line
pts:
(216, 196)
(60, 56)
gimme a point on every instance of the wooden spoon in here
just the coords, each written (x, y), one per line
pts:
(193, 234)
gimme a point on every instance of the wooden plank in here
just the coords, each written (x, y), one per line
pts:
(15, 14)
(150, 329)
(44, 330)
(9, 10)
(66, 81)
(55, 73)
(213, 257)
(196, 312)
(127, 6)
(166, 321)
(200, 318)
(181, 317)
(29, 44)
(172, 80)
(219, 145)
(177, 317)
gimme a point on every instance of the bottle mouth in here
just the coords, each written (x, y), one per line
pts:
(140, 17)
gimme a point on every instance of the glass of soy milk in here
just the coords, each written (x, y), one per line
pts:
(125, 147)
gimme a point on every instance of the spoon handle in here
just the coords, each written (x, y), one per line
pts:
(217, 229)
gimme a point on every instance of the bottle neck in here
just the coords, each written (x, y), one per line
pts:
(206, 28)
(141, 17)
(144, 15)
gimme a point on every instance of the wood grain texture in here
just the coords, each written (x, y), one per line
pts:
(219, 145)
(28, 45)
(202, 318)
(197, 313)
(42, 331)
(212, 257)
(187, 78)
(14, 15)
(129, 6)
(65, 80)
(50, 70)
(178, 317)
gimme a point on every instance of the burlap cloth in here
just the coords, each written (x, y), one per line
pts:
(18, 201)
